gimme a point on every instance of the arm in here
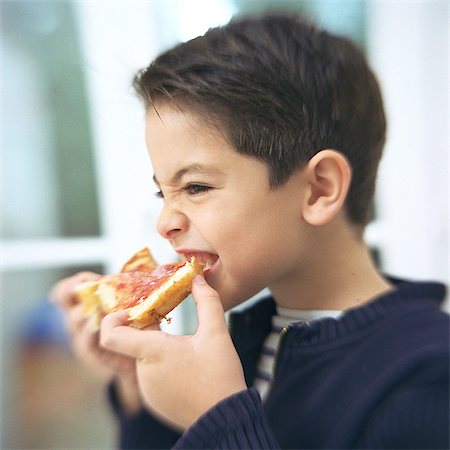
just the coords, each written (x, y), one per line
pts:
(236, 422)
(194, 382)
(137, 428)
(84, 339)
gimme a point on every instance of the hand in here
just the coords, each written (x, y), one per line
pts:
(181, 377)
(84, 339)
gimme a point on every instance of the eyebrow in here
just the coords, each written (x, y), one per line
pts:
(189, 170)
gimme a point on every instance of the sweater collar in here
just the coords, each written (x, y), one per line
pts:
(251, 325)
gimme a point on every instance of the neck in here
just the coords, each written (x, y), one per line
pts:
(340, 274)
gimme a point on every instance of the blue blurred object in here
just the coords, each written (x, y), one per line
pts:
(44, 324)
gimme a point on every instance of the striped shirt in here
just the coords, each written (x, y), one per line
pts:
(280, 320)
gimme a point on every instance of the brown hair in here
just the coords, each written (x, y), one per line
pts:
(280, 90)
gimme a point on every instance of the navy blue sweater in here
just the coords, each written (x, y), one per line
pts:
(377, 377)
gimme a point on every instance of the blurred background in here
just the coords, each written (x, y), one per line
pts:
(76, 188)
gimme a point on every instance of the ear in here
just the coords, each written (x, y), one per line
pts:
(328, 176)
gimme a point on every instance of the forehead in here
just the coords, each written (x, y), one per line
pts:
(167, 122)
(177, 139)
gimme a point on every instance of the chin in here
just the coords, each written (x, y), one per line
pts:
(231, 297)
(232, 291)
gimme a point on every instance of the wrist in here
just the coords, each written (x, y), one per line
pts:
(128, 395)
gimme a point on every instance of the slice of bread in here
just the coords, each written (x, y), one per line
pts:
(148, 294)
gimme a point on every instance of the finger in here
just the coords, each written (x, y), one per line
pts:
(63, 292)
(210, 312)
(115, 361)
(76, 319)
(116, 335)
(112, 361)
(87, 347)
(85, 343)
(83, 332)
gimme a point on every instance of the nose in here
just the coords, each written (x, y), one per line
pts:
(171, 223)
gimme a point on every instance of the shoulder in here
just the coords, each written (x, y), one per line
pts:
(406, 337)
(412, 312)
(397, 339)
(409, 328)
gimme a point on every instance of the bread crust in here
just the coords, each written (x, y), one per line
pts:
(141, 261)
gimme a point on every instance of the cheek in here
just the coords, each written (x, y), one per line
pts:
(256, 249)
(252, 258)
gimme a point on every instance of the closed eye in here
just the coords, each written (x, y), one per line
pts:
(196, 189)
(189, 189)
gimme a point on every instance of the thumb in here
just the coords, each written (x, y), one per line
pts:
(210, 311)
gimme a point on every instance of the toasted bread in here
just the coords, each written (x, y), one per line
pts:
(148, 294)
(141, 261)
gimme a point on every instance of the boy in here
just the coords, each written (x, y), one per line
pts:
(265, 137)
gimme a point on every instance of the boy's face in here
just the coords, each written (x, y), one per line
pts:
(219, 207)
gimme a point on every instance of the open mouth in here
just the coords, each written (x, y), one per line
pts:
(210, 260)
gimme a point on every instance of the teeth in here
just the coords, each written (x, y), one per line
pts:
(207, 259)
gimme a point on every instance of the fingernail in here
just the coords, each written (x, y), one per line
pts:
(199, 280)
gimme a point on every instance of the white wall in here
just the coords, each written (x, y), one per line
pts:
(408, 49)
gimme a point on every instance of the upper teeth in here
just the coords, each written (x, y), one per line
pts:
(208, 259)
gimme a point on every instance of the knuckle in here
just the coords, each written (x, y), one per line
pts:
(210, 298)
(105, 342)
(105, 339)
(85, 274)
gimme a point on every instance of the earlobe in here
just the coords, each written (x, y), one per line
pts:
(329, 175)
